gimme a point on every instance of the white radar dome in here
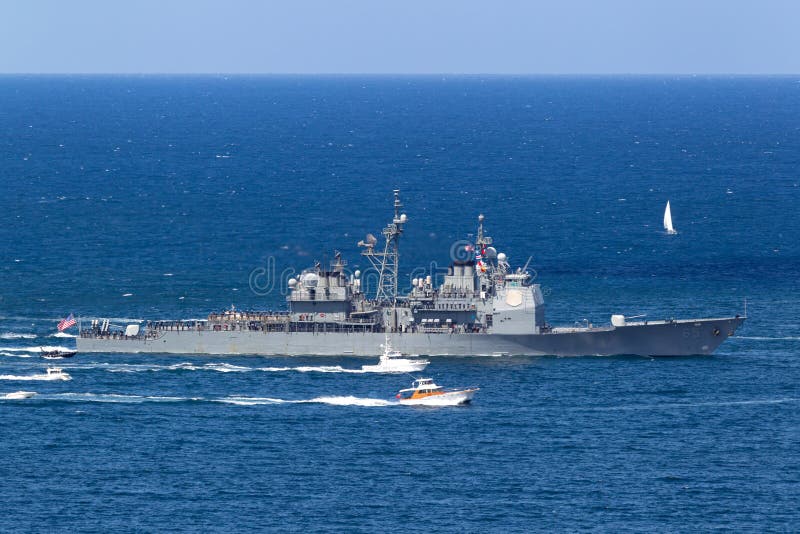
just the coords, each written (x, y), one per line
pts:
(357, 274)
(502, 257)
(292, 282)
(310, 280)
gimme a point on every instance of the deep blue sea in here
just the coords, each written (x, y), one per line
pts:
(159, 197)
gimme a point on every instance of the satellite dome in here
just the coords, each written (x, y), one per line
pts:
(357, 274)
(403, 218)
(310, 280)
(292, 282)
(491, 253)
(502, 257)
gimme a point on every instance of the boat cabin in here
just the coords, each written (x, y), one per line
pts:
(420, 388)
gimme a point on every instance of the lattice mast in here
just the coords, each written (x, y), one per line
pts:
(387, 262)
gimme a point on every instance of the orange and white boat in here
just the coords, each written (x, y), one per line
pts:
(424, 392)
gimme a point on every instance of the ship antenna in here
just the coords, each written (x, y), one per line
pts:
(482, 240)
(387, 262)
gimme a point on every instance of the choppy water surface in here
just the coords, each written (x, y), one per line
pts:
(158, 197)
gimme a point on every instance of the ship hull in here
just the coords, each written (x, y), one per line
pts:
(660, 338)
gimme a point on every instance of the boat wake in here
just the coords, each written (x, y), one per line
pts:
(236, 400)
(221, 368)
(15, 335)
(50, 377)
(15, 354)
(311, 369)
(63, 334)
(115, 397)
(36, 349)
(184, 366)
(335, 401)
(346, 400)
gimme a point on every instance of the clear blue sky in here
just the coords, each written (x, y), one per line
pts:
(400, 36)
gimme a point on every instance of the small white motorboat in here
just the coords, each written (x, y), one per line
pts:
(57, 373)
(393, 361)
(20, 395)
(424, 392)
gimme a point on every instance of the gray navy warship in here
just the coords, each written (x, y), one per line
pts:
(483, 307)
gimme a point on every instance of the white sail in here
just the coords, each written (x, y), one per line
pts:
(668, 220)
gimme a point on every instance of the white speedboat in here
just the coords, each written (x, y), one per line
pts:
(53, 373)
(20, 395)
(424, 392)
(393, 361)
(57, 373)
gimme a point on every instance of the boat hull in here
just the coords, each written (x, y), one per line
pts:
(58, 356)
(404, 365)
(661, 338)
(19, 395)
(449, 398)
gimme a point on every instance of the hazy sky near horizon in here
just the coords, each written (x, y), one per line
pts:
(408, 36)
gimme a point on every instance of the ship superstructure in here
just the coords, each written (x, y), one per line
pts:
(482, 306)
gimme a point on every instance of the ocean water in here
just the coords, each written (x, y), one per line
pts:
(162, 197)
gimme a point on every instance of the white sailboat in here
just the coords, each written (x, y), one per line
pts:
(668, 221)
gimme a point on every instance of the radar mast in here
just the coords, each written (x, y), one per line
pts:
(482, 241)
(386, 262)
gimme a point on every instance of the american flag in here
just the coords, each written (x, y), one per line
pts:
(66, 323)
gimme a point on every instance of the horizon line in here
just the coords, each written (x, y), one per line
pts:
(408, 74)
